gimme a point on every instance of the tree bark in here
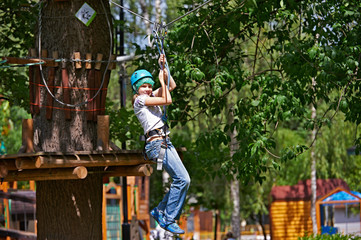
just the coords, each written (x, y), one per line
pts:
(313, 170)
(235, 218)
(236, 209)
(145, 13)
(70, 209)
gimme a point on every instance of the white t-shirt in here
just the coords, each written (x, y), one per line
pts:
(150, 117)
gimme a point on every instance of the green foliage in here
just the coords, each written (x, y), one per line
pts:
(10, 126)
(337, 236)
(17, 24)
(124, 126)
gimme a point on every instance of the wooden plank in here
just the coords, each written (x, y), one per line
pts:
(49, 98)
(31, 82)
(290, 203)
(290, 215)
(51, 82)
(103, 94)
(91, 93)
(97, 100)
(66, 91)
(291, 220)
(98, 80)
(37, 91)
(77, 60)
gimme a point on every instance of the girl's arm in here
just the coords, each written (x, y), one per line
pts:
(172, 84)
(161, 95)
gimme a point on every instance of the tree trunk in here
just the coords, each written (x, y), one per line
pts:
(70, 209)
(313, 171)
(145, 13)
(234, 186)
(236, 208)
(158, 11)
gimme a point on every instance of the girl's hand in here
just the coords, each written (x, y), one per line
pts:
(161, 60)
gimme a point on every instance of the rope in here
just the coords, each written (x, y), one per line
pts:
(161, 51)
(75, 88)
(22, 65)
(105, 71)
(68, 109)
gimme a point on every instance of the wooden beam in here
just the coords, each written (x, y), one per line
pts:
(79, 160)
(47, 174)
(6, 166)
(16, 234)
(139, 170)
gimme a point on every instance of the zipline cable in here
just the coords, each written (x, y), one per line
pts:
(175, 20)
(105, 71)
(178, 18)
(134, 13)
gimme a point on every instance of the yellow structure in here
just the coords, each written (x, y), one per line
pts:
(290, 219)
(290, 210)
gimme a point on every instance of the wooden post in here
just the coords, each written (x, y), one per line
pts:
(104, 215)
(28, 135)
(318, 218)
(103, 132)
(134, 226)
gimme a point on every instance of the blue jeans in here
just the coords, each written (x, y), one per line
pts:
(173, 201)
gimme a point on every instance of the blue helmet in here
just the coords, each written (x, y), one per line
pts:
(139, 75)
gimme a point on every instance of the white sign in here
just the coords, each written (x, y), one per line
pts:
(86, 14)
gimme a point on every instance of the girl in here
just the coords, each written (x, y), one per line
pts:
(146, 103)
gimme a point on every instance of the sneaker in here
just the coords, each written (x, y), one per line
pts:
(173, 228)
(155, 214)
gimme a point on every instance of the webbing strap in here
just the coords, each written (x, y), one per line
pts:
(160, 158)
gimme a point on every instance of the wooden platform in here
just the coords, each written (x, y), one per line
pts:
(58, 165)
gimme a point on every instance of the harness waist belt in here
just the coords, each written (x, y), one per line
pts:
(153, 132)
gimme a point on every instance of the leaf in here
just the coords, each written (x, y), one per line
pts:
(255, 103)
